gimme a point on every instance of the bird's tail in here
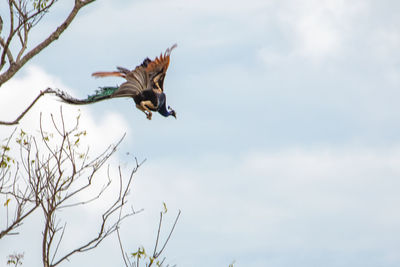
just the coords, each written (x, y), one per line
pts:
(101, 94)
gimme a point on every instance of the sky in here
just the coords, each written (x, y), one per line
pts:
(286, 147)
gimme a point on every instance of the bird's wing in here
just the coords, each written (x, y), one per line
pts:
(137, 81)
(147, 76)
(157, 68)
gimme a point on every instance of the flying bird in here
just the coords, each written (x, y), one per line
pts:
(145, 84)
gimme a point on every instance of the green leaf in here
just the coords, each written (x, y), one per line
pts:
(3, 164)
(7, 201)
(165, 208)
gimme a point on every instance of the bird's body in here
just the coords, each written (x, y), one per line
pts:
(144, 84)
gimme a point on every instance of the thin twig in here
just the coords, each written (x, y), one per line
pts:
(16, 121)
(59, 241)
(158, 235)
(14, 67)
(170, 233)
(126, 259)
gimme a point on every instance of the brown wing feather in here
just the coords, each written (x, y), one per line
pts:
(143, 77)
(157, 68)
(108, 73)
(136, 81)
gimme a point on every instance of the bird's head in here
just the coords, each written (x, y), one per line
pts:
(171, 112)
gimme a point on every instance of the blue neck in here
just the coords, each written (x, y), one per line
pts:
(164, 111)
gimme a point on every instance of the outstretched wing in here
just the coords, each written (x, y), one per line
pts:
(157, 69)
(149, 75)
(136, 81)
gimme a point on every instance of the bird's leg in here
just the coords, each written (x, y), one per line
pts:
(143, 107)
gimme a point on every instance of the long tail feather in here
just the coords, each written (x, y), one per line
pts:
(102, 94)
(108, 73)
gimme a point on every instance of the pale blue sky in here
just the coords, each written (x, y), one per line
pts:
(286, 147)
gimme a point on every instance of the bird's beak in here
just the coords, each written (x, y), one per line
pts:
(173, 112)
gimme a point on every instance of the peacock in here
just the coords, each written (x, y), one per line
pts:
(145, 84)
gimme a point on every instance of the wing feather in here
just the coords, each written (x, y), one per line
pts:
(108, 73)
(136, 82)
(157, 68)
(143, 77)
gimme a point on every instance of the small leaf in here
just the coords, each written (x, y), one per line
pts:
(7, 201)
(165, 208)
(3, 164)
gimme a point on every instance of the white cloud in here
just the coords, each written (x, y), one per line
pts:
(318, 29)
(282, 202)
(196, 24)
(384, 43)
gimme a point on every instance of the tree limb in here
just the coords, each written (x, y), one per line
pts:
(15, 67)
(9, 38)
(1, 24)
(7, 50)
(16, 121)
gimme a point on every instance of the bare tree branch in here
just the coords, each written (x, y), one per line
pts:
(61, 177)
(7, 50)
(157, 254)
(9, 187)
(141, 253)
(16, 121)
(1, 25)
(18, 221)
(54, 176)
(26, 21)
